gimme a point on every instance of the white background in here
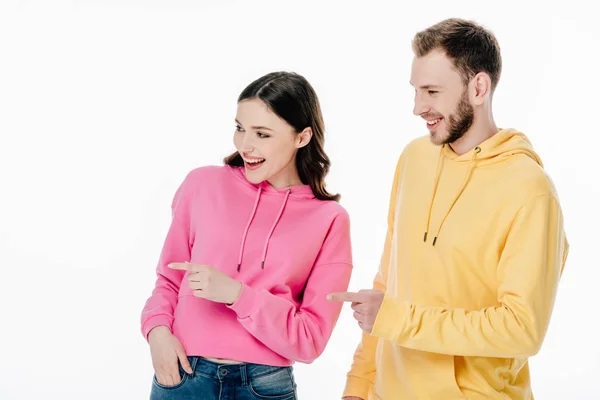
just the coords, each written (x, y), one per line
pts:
(106, 105)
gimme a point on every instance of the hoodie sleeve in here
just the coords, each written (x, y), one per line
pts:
(160, 306)
(529, 271)
(361, 377)
(301, 333)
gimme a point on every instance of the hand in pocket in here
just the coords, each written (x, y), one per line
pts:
(166, 350)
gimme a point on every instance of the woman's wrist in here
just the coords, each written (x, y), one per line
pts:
(158, 331)
(237, 292)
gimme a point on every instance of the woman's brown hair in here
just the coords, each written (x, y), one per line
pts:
(294, 100)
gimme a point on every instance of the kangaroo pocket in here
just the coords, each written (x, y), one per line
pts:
(411, 374)
(493, 378)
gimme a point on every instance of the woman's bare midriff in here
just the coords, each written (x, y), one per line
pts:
(222, 360)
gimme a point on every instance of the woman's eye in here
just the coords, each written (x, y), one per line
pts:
(261, 135)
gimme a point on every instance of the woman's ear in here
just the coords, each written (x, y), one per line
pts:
(303, 138)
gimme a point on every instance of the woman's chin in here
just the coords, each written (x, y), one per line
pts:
(254, 177)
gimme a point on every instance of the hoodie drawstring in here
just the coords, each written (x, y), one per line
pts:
(436, 181)
(264, 254)
(248, 227)
(462, 188)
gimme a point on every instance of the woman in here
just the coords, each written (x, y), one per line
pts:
(253, 249)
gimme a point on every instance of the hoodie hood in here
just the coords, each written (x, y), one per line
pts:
(297, 192)
(506, 143)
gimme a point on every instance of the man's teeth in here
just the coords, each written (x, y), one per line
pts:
(255, 161)
(433, 121)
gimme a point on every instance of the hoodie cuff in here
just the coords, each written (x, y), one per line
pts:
(247, 303)
(390, 319)
(357, 387)
(157, 320)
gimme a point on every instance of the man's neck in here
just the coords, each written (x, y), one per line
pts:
(477, 134)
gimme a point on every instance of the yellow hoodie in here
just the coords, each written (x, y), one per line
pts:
(473, 255)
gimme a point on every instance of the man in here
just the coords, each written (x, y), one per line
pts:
(475, 244)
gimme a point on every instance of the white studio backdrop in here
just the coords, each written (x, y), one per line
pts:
(106, 105)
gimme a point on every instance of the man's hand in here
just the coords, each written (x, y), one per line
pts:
(365, 303)
(209, 283)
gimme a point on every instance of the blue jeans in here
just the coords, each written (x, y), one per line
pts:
(212, 381)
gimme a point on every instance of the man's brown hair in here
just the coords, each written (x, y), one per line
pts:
(472, 48)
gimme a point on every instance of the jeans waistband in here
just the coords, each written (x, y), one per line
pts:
(231, 373)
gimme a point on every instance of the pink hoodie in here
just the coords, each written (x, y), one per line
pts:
(289, 250)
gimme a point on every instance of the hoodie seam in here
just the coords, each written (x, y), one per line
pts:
(528, 202)
(334, 263)
(482, 163)
(273, 191)
(188, 203)
(149, 325)
(362, 378)
(192, 226)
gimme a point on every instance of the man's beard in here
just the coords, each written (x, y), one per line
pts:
(460, 121)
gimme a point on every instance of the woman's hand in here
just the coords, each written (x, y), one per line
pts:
(165, 350)
(209, 283)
